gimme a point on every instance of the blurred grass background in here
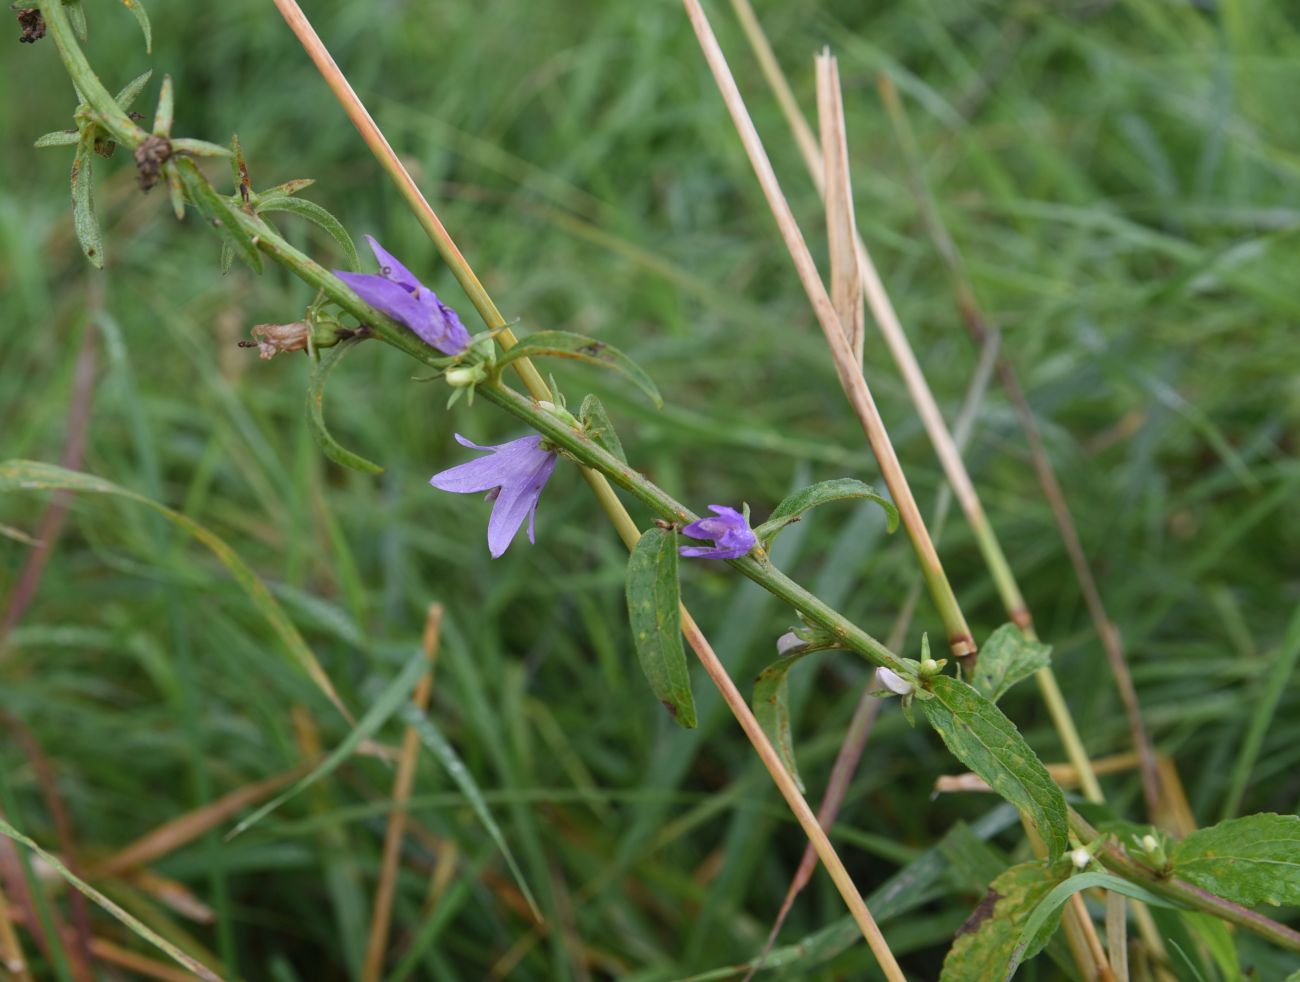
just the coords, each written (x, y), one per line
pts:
(1122, 178)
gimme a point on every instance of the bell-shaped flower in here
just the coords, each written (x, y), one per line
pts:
(732, 537)
(395, 291)
(513, 475)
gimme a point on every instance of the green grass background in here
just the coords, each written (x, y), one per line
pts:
(1123, 180)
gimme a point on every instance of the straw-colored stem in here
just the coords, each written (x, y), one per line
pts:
(846, 366)
(12, 959)
(381, 915)
(623, 523)
(944, 445)
(979, 329)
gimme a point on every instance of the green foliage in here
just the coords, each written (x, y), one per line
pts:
(654, 612)
(1251, 860)
(218, 212)
(83, 199)
(771, 703)
(599, 427)
(793, 506)
(985, 945)
(1006, 658)
(331, 448)
(983, 739)
(565, 344)
(317, 215)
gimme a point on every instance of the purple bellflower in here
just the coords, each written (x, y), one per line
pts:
(513, 475)
(395, 291)
(732, 537)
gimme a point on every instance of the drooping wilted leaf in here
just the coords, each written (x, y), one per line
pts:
(1006, 658)
(316, 413)
(982, 738)
(1249, 860)
(564, 344)
(654, 610)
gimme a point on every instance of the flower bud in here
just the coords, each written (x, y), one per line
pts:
(1081, 858)
(930, 667)
(894, 682)
(465, 375)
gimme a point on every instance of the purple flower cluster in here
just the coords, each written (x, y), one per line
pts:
(395, 291)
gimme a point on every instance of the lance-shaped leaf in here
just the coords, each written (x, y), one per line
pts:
(131, 91)
(1250, 860)
(59, 138)
(198, 148)
(983, 739)
(793, 507)
(176, 192)
(564, 344)
(288, 187)
(218, 212)
(316, 413)
(83, 199)
(141, 18)
(654, 610)
(30, 475)
(1006, 658)
(317, 215)
(771, 702)
(162, 119)
(596, 424)
(1037, 930)
(985, 944)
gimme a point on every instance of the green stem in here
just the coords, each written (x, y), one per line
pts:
(112, 117)
(577, 445)
(1114, 857)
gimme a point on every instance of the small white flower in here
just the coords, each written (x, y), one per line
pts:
(786, 642)
(1149, 843)
(1081, 858)
(894, 682)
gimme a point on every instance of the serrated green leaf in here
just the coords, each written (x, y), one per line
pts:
(840, 489)
(31, 475)
(564, 344)
(59, 138)
(982, 738)
(1249, 860)
(316, 413)
(596, 424)
(986, 942)
(441, 748)
(131, 91)
(199, 148)
(141, 18)
(137, 927)
(83, 199)
(383, 707)
(317, 215)
(1047, 913)
(771, 702)
(654, 610)
(77, 17)
(1006, 658)
(218, 212)
(162, 119)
